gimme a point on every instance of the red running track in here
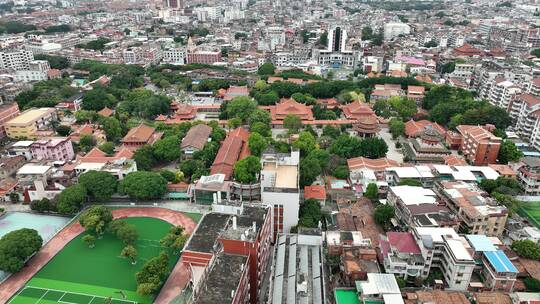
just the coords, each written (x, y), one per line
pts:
(174, 285)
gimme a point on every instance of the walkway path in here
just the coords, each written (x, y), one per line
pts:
(16, 281)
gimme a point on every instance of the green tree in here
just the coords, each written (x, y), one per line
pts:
(373, 147)
(87, 142)
(190, 166)
(372, 191)
(96, 219)
(63, 130)
(261, 128)
(112, 128)
(129, 252)
(527, 249)
(292, 123)
(346, 146)
(383, 214)
(261, 116)
(246, 170)
(257, 144)
(16, 247)
(341, 171)
(266, 69)
(509, 153)
(322, 157)
(167, 149)
(310, 214)
(241, 107)
(127, 234)
(107, 147)
(43, 205)
(532, 284)
(397, 127)
(144, 104)
(97, 99)
(99, 185)
(310, 169)
(14, 197)
(168, 175)
(175, 239)
(234, 123)
(144, 185)
(153, 274)
(305, 143)
(89, 240)
(71, 199)
(144, 157)
(55, 62)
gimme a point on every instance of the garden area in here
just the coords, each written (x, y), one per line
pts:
(120, 261)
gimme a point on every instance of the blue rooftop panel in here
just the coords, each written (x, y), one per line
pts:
(500, 261)
(480, 243)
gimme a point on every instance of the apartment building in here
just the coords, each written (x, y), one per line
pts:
(478, 212)
(38, 70)
(59, 148)
(237, 229)
(7, 112)
(29, 122)
(528, 175)
(525, 110)
(16, 59)
(176, 56)
(401, 255)
(479, 146)
(497, 270)
(204, 57)
(502, 92)
(280, 188)
(442, 248)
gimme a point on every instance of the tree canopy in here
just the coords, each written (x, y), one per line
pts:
(96, 219)
(247, 169)
(99, 185)
(15, 248)
(71, 199)
(144, 185)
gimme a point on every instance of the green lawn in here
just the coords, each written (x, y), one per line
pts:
(532, 211)
(88, 276)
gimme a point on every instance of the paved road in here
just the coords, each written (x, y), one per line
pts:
(393, 153)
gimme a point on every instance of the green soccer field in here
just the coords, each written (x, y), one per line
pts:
(532, 211)
(80, 275)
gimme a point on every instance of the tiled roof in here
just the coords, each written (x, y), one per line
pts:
(196, 137)
(378, 164)
(403, 242)
(141, 133)
(316, 192)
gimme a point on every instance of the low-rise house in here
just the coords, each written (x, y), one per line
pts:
(119, 165)
(10, 165)
(338, 241)
(140, 136)
(88, 129)
(20, 148)
(380, 287)
(195, 139)
(233, 148)
(37, 182)
(315, 192)
(528, 175)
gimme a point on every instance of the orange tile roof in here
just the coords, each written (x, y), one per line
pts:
(97, 156)
(416, 128)
(315, 192)
(378, 164)
(141, 133)
(105, 112)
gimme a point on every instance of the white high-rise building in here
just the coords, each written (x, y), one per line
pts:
(337, 38)
(276, 36)
(37, 71)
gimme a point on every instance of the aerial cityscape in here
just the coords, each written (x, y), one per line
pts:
(280, 152)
